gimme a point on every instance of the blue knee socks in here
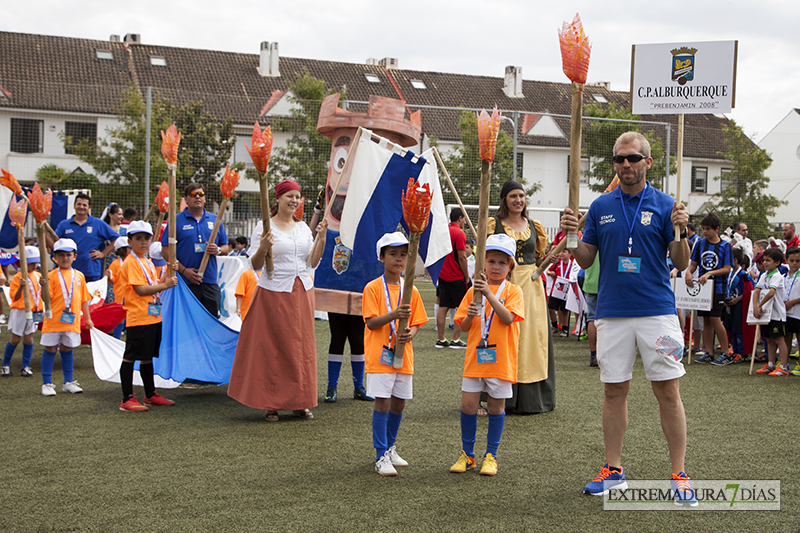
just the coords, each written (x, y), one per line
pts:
(334, 367)
(379, 423)
(469, 426)
(9, 352)
(494, 432)
(67, 362)
(47, 366)
(357, 363)
(392, 425)
(27, 354)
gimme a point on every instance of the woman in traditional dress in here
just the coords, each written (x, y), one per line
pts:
(275, 367)
(535, 390)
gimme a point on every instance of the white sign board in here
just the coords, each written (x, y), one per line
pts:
(766, 313)
(683, 78)
(697, 297)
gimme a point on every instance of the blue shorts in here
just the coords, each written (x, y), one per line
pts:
(591, 305)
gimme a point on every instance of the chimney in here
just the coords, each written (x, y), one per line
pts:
(389, 62)
(372, 61)
(604, 84)
(268, 61)
(513, 82)
(114, 38)
(133, 38)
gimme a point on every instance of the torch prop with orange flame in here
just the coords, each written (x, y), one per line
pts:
(162, 204)
(558, 248)
(41, 204)
(575, 52)
(227, 187)
(260, 152)
(16, 212)
(488, 128)
(169, 149)
(416, 212)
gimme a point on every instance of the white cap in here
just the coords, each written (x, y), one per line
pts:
(65, 245)
(390, 239)
(502, 243)
(155, 255)
(32, 254)
(139, 226)
(121, 242)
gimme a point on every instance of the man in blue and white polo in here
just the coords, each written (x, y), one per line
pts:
(192, 231)
(90, 235)
(631, 229)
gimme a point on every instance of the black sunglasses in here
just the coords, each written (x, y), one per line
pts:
(632, 158)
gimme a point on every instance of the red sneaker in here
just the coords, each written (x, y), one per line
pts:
(131, 405)
(157, 399)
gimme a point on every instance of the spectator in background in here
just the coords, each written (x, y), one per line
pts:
(789, 236)
(744, 243)
(89, 234)
(239, 247)
(112, 215)
(129, 215)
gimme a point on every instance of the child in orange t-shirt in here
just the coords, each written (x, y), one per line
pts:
(114, 274)
(490, 364)
(68, 298)
(245, 288)
(20, 327)
(391, 387)
(143, 308)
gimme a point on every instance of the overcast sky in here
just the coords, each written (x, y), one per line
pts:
(464, 36)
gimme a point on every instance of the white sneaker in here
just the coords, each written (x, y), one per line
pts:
(6, 372)
(48, 389)
(384, 467)
(394, 458)
(72, 387)
(2, 319)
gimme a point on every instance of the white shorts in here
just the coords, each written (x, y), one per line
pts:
(70, 339)
(18, 324)
(495, 387)
(659, 340)
(388, 384)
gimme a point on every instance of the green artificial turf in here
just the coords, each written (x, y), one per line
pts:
(76, 463)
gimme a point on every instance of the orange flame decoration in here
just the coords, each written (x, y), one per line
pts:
(261, 148)
(11, 182)
(488, 128)
(229, 182)
(169, 144)
(17, 211)
(162, 198)
(416, 206)
(183, 205)
(575, 50)
(40, 203)
(298, 213)
(613, 185)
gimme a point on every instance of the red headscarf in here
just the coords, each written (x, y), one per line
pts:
(285, 186)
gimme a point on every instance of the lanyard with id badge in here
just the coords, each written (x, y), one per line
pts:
(387, 352)
(36, 297)
(630, 262)
(487, 353)
(67, 317)
(200, 246)
(154, 307)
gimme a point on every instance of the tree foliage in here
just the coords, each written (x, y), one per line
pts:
(598, 143)
(119, 156)
(746, 197)
(463, 163)
(306, 156)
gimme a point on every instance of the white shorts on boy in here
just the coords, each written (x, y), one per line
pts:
(70, 339)
(18, 324)
(659, 340)
(494, 387)
(388, 384)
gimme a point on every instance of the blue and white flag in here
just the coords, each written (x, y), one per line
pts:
(373, 206)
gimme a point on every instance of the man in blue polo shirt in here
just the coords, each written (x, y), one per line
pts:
(192, 231)
(631, 229)
(89, 234)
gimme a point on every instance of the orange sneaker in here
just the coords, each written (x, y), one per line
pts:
(131, 405)
(157, 399)
(766, 369)
(779, 371)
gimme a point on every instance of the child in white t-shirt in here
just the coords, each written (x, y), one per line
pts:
(771, 284)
